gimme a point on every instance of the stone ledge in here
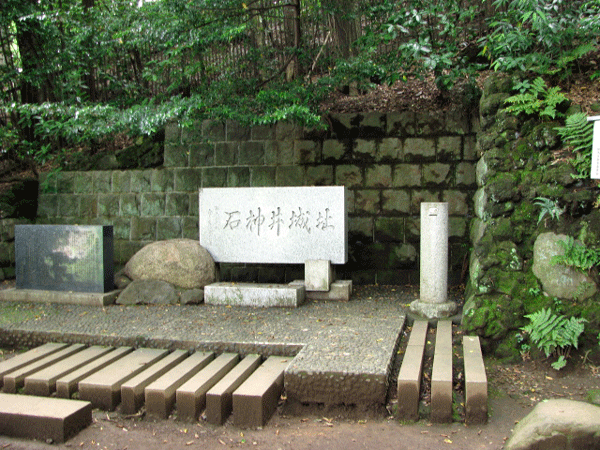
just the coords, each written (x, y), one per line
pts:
(74, 298)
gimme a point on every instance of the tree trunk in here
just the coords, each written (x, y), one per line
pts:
(345, 25)
(90, 76)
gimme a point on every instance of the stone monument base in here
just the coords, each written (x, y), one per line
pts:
(68, 297)
(433, 310)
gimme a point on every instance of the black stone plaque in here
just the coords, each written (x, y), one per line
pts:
(64, 258)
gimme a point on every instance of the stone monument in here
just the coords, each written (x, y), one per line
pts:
(279, 225)
(63, 263)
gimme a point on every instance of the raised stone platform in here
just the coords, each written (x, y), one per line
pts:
(341, 352)
(72, 298)
(257, 295)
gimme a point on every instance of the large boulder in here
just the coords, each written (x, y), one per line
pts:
(559, 280)
(181, 262)
(558, 425)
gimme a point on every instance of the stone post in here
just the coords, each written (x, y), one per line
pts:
(433, 301)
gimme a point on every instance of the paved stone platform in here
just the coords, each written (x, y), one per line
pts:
(342, 351)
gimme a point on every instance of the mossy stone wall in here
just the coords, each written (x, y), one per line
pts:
(520, 161)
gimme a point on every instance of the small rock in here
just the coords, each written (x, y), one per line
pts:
(192, 297)
(148, 292)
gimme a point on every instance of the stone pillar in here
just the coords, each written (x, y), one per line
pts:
(433, 301)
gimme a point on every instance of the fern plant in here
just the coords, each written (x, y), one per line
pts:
(536, 98)
(578, 133)
(577, 255)
(554, 334)
(549, 207)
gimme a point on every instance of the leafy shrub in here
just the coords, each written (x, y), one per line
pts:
(541, 36)
(554, 334)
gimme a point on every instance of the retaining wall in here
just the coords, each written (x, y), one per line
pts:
(389, 163)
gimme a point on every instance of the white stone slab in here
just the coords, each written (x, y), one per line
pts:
(318, 275)
(281, 225)
(595, 172)
(250, 294)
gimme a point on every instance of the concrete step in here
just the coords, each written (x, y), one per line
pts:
(103, 388)
(219, 399)
(191, 396)
(132, 391)
(43, 383)
(409, 378)
(42, 418)
(15, 380)
(476, 394)
(35, 354)
(160, 394)
(255, 401)
(441, 376)
(67, 385)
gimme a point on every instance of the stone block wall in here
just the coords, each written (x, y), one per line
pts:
(388, 162)
(7, 246)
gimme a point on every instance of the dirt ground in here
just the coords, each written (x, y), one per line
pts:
(513, 389)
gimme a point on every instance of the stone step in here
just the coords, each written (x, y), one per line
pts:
(409, 378)
(476, 394)
(103, 388)
(160, 394)
(67, 385)
(254, 294)
(191, 396)
(43, 383)
(219, 399)
(410, 375)
(132, 391)
(33, 355)
(42, 418)
(255, 401)
(15, 380)
(441, 376)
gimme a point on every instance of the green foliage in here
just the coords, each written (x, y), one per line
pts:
(418, 37)
(548, 207)
(577, 255)
(578, 133)
(546, 37)
(536, 98)
(554, 334)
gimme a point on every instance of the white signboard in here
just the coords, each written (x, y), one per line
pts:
(595, 148)
(281, 225)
